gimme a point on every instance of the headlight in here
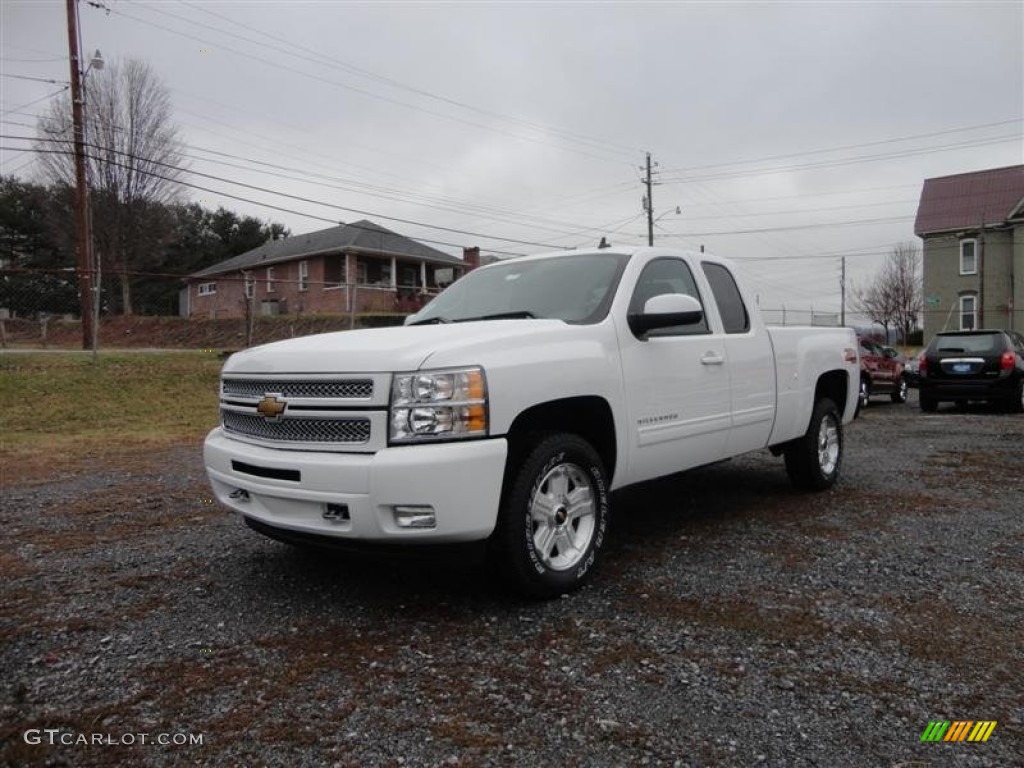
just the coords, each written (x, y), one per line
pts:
(438, 405)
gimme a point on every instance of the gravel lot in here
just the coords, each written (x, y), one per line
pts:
(733, 622)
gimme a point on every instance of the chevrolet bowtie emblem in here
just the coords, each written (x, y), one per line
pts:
(270, 407)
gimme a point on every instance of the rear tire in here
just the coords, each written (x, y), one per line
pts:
(864, 395)
(928, 403)
(553, 518)
(900, 394)
(1017, 403)
(814, 460)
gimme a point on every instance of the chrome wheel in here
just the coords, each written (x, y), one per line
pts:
(828, 445)
(900, 395)
(562, 511)
(865, 393)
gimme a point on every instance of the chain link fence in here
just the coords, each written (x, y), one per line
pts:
(41, 309)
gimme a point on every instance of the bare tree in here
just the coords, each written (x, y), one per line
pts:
(903, 276)
(873, 301)
(135, 158)
(893, 297)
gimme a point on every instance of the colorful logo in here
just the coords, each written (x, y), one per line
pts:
(958, 730)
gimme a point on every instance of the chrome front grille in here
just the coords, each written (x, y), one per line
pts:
(353, 389)
(353, 431)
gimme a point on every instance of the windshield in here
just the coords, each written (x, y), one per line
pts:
(576, 289)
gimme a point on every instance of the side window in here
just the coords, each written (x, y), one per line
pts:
(662, 276)
(727, 295)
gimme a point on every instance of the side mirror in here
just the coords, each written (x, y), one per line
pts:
(665, 311)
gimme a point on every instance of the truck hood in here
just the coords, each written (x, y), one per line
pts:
(381, 350)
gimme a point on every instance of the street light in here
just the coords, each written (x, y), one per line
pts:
(95, 63)
(651, 221)
(677, 210)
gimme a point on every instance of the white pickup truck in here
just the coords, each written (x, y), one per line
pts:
(511, 406)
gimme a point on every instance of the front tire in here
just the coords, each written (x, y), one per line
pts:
(814, 460)
(553, 517)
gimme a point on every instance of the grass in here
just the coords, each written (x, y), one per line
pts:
(56, 406)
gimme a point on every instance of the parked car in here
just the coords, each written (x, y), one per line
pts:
(509, 408)
(973, 365)
(881, 372)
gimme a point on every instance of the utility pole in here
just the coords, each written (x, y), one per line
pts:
(842, 292)
(649, 203)
(82, 224)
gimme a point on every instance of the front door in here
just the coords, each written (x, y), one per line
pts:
(677, 382)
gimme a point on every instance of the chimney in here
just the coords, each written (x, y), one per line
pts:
(471, 256)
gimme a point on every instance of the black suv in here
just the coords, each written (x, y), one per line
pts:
(973, 365)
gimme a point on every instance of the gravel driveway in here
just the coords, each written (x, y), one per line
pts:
(733, 622)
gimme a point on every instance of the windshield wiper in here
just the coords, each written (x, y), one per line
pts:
(519, 314)
(430, 320)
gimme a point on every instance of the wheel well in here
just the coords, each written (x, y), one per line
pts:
(590, 417)
(834, 385)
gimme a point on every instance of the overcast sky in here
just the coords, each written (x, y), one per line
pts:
(786, 133)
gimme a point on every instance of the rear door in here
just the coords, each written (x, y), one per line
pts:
(751, 365)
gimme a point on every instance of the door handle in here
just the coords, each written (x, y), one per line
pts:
(710, 358)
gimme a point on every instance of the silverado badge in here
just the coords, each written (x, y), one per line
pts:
(270, 407)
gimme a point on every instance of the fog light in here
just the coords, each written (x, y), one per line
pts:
(239, 494)
(336, 513)
(408, 516)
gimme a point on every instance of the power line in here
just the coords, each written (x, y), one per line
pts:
(352, 69)
(847, 161)
(794, 227)
(354, 89)
(17, 110)
(34, 79)
(254, 187)
(851, 146)
(34, 61)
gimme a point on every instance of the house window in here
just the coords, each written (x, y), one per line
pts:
(407, 276)
(968, 313)
(373, 272)
(303, 275)
(334, 271)
(968, 257)
(270, 279)
(250, 286)
(207, 289)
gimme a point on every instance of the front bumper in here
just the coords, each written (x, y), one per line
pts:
(461, 481)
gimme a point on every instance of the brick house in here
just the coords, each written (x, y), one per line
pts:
(358, 267)
(972, 228)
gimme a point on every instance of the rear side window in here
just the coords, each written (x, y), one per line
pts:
(727, 295)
